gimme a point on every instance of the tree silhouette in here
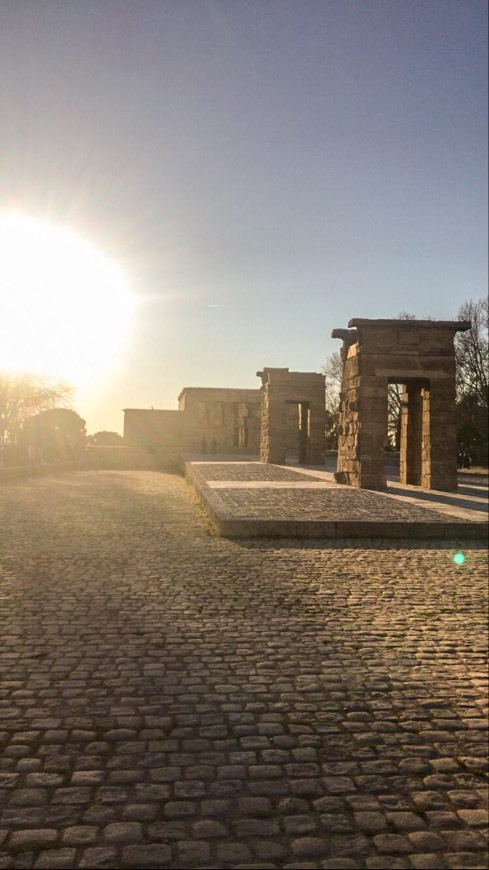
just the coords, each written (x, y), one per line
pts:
(332, 370)
(105, 439)
(54, 435)
(25, 394)
(471, 354)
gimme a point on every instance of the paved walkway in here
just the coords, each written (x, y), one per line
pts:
(171, 700)
(247, 499)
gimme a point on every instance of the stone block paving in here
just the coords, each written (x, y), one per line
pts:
(253, 499)
(251, 471)
(331, 503)
(169, 699)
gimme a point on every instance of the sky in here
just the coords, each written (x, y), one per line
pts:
(262, 170)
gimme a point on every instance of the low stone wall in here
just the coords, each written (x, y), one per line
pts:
(101, 458)
(123, 457)
(17, 472)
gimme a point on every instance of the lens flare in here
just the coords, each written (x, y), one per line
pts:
(66, 307)
(459, 558)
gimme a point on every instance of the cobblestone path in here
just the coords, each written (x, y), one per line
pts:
(173, 700)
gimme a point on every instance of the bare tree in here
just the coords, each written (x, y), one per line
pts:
(471, 352)
(332, 370)
(54, 434)
(472, 377)
(22, 395)
(105, 439)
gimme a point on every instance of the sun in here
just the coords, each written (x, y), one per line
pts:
(65, 308)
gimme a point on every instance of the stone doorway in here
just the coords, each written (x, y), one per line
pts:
(420, 355)
(282, 389)
(299, 431)
(414, 454)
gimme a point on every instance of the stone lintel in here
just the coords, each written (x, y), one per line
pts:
(395, 376)
(347, 335)
(264, 375)
(365, 323)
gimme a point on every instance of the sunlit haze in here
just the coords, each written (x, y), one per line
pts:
(65, 306)
(255, 173)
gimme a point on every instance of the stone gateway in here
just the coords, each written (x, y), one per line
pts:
(420, 355)
(305, 391)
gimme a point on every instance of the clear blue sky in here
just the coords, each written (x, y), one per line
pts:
(264, 169)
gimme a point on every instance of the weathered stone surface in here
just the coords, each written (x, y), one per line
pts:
(98, 857)
(303, 392)
(56, 859)
(360, 653)
(422, 358)
(80, 835)
(207, 421)
(39, 838)
(152, 856)
(123, 832)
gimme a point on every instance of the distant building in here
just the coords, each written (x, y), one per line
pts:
(220, 420)
(208, 420)
(212, 420)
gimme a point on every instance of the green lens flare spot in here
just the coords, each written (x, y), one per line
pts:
(459, 558)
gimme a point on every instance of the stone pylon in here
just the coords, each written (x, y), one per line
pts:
(281, 388)
(420, 355)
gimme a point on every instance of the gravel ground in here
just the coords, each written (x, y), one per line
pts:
(170, 699)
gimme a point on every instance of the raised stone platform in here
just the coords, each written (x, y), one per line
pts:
(248, 499)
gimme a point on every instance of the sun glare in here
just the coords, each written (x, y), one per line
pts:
(65, 307)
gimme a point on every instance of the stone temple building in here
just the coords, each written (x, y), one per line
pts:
(219, 420)
(285, 418)
(208, 420)
(420, 355)
(293, 415)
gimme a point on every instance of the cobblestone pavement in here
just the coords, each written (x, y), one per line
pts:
(173, 700)
(332, 503)
(314, 494)
(259, 471)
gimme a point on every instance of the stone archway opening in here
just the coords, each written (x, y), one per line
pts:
(420, 355)
(298, 430)
(405, 434)
(414, 452)
(293, 416)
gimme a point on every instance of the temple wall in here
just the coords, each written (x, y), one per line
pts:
(220, 420)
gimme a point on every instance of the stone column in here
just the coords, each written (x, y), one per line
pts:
(411, 434)
(372, 432)
(274, 419)
(304, 419)
(316, 430)
(439, 439)
(348, 466)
